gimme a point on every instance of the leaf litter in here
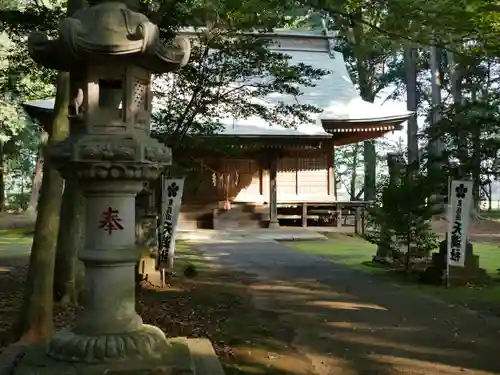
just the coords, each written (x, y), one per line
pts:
(216, 306)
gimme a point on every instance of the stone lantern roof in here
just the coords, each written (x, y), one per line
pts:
(108, 30)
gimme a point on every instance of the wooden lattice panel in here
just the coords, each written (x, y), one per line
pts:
(313, 164)
(286, 179)
(313, 176)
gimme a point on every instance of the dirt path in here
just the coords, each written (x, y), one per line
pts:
(346, 323)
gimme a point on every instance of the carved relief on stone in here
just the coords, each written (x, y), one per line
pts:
(146, 343)
(118, 171)
(157, 153)
(108, 150)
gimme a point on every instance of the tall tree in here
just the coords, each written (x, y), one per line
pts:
(410, 57)
(36, 322)
(348, 169)
(374, 65)
(435, 145)
(68, 270)
(36, 182)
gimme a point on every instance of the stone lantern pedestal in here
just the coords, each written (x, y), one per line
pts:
(111, 52)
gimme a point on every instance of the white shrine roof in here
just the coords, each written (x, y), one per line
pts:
(42, 104)
(334, 93)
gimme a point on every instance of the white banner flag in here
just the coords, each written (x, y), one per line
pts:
(460, 203)
(170, 209)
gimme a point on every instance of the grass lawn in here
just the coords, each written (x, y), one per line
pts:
(357, 254)
(491, 215)
(15, 242)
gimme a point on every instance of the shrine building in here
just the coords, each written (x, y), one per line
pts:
(282, 174)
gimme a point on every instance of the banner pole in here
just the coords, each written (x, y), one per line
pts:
(448, 236)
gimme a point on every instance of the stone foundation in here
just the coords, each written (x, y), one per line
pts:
(471, 273)
(185, 357)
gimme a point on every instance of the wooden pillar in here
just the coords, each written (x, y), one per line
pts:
(304, 214)
(330, 159)
(339, 215)
(297, 179)
(357, 221)
(273, 193)
(363, 213)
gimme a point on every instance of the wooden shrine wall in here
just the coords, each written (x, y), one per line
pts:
(245, 180)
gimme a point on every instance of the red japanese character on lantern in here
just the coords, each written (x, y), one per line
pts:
(111, 221)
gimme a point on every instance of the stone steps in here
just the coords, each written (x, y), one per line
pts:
(240, 216)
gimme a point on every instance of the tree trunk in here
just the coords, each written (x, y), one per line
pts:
(354, 175)
(36, 320)
(412, 103)
(366, 93)
(435, 146)
(489, 197)
(455, 78)
(335, 184)
(68, 272)
(370, 158)
(476, 163)
(456, 92)
(37, 178)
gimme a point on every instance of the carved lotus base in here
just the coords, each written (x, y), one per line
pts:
(147, 343)
(184, 357)
(113, 171)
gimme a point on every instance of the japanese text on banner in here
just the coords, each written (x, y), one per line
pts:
(458, 226)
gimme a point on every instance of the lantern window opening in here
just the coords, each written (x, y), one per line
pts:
(111, 93)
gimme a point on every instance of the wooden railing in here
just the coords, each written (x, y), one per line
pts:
(339, 214)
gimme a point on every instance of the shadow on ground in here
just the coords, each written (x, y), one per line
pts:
(345, 322)
(217, 304)
(272, 310)
(14, 254)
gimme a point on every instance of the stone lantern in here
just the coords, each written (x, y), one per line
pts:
(110, 51)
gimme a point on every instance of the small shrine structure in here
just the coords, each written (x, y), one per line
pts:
(282, 173)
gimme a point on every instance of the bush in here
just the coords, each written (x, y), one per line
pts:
(18, 201)
(399, 220)
(190, 271)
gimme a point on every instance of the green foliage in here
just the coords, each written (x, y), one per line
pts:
(18, 201)
(19, 165)
(229, 76)
(399, 220)
(21, 79)
(447, 22)
(190, 271)
(349, 165)
(225, 75)
(470, 131)
(373, 57)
